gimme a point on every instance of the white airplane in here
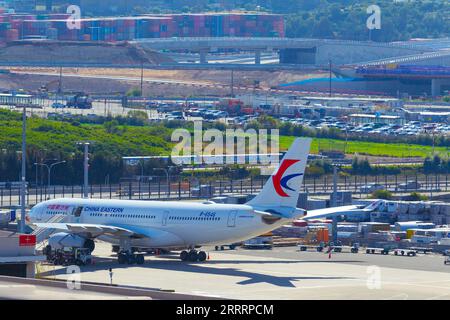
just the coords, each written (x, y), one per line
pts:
(132, 224)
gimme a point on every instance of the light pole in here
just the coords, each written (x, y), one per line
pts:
(167, 171)
(140, 163)
(142, 169)
(23, 188)
(49, 169)
(86, 168)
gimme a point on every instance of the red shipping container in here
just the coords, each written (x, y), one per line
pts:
(12, 35)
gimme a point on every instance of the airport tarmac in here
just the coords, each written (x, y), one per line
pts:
(281, 273)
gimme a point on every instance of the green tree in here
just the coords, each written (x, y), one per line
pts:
(381, 194)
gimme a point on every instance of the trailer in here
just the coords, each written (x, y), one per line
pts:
(305, 247)
(383, 251)
(230, 246)
(264, 241)
(424, 250)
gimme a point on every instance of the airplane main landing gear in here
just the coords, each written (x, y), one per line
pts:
(193, 256)
(125, 253)
(130, 258)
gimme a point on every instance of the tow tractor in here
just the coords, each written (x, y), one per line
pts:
(447, 257)
(408, 252)
(68, 256)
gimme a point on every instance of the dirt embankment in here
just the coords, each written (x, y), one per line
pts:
(177, 82)
(39, 52)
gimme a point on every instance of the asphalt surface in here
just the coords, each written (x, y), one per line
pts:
(423, 262)
(281, 273)
(20, 291)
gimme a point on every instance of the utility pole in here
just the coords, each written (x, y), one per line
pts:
(86, 168)
(142, 79)
(329, 62)
(60, 81)
(23, 188)
(334, 203)
(335, 182)
(232, 83)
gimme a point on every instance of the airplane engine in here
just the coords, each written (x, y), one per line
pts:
(64, 239)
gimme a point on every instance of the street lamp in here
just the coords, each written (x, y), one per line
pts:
(134, 162)
(49, 169)
(167, 171)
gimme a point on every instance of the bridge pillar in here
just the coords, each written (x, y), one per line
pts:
(203, 59)
(257, 57)
(435, 87)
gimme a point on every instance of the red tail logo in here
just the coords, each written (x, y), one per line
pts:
(280, 182)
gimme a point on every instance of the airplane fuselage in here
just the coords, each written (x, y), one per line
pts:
(164, 224)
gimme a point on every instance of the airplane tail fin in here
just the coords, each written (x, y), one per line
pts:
(283, 187)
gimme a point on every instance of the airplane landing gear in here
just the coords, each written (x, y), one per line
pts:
(130, 258)
(193, 256)
(125, 254)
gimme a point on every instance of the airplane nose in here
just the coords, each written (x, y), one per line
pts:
(31, 215)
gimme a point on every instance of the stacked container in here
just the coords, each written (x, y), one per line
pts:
(55, 26)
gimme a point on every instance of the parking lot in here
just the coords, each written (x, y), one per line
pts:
(410, 128)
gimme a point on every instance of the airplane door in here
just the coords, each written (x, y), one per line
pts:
(232, 218)
(76, 213)
(165, 216)
(39, 213)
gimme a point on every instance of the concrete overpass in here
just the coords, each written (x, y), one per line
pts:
(437, 58)
(291, 50)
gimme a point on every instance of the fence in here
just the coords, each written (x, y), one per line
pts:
(185, 189)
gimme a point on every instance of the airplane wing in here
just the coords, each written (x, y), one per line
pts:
(347, 210)
(329, 212)
(92, 230)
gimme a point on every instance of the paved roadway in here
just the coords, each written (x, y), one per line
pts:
(100, 108)
(281, 273)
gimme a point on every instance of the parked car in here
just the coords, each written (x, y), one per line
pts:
(371, 187)
(58, 105)
(410, 185)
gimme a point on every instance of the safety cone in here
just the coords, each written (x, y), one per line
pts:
(208, 256)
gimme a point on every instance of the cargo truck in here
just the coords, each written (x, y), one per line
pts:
(79, 101)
